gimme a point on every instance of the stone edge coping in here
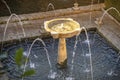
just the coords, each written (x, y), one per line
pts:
(59, 12)
(109, 40)
(113, 40)
(69, 11)
(47, 35)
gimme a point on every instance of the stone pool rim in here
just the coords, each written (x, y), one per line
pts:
(63, 12)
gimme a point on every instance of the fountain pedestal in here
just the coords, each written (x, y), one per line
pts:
(62, 53)
(62, 28)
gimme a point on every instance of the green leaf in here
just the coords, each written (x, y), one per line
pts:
(28, 73)
(19, 56)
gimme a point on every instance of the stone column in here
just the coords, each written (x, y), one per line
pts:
(62, 53)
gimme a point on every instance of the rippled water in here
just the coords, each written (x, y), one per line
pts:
(106, 65)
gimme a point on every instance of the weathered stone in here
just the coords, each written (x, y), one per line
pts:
(4, 77)
(108, 27)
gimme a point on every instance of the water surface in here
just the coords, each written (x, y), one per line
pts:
(106, 65)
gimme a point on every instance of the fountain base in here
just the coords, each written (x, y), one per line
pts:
(98, 22)
(61, 29)
(62, 65)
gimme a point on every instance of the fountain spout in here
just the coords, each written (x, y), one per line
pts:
(62, 28)
(99, 21)
(76, 6)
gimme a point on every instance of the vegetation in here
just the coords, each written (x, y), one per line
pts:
(116, 4)
(20, 61)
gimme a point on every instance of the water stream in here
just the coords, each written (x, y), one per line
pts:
(6, 26)
(50, 5)
(7, 6)
(89, 50)
(104, 59)
(111, 8)
(51, 74)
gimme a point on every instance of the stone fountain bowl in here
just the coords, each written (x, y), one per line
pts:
(62, 27)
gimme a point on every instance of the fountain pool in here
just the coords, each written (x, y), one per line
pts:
(106, 63)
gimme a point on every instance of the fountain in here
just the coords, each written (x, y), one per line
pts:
(78, 65)
(99, 20)
(82, 65)
(51, 74)
(62, 28)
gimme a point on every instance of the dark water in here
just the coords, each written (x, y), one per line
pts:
(106, 65)
(30, 6)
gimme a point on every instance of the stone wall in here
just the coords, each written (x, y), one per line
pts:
(116, 4)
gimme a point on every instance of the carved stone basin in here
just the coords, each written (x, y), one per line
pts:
(62, 28)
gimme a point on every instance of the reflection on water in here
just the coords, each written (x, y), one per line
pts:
(30, 6)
